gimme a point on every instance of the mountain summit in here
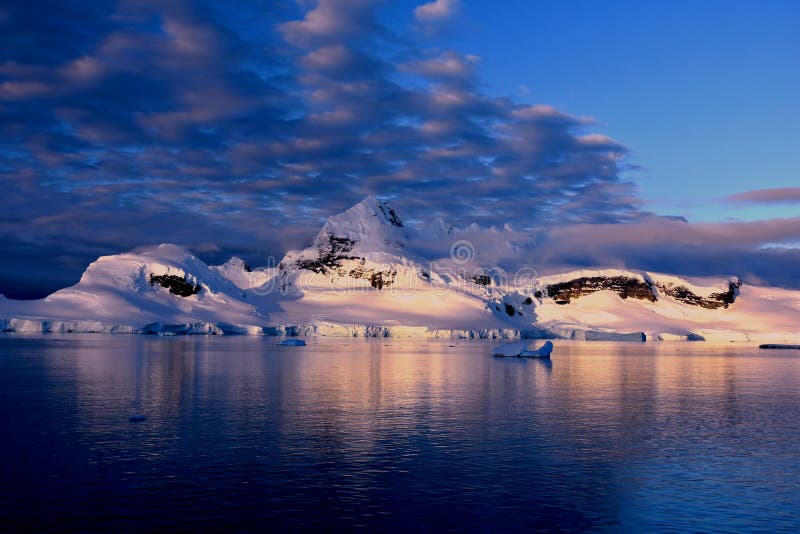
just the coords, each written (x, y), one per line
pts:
(369, 226)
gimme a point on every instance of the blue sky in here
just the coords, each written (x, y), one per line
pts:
(236, 129)
(703, 93)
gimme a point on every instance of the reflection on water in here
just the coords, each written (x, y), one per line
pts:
(392, 434)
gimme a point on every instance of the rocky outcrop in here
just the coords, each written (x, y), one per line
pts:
(377, 279)
(334, 257)
(624, 286)
(177, 285)
(389, 214)
(712, 301)
(643, 289)
(481, 279)
(331, 251)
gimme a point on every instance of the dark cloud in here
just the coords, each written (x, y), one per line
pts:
(144, 122)
(36, 35)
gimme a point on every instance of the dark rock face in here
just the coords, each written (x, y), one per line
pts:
(624, 286)
(377, 279)
(528, 301)
(177, 285)
(390, 215)
(628, 287)
(711, 302)
(510, 311)
(331, 251)
(481, 279)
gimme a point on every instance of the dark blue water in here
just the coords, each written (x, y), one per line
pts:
(389, 435)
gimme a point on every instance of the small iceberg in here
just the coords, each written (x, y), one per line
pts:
(521, 349)
(136, 417)
(293, 343)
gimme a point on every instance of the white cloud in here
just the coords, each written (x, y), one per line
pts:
(436, 11)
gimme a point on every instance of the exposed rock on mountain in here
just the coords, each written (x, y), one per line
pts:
(625, 287)
(177, 285)
(712, 302)
(331, 251)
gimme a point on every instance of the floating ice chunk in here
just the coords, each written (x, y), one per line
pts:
(521, 349)
(136, 417)
(293, 343)
(542, 352)
(510, 349)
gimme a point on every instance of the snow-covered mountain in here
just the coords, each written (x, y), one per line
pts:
(369, 273)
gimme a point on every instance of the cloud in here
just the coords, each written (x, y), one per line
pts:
(446, 67)
(760, 252)
(436, 11)
(652, 230)
(145, 122)
(780, 195)
(331, 21)
(666, 244)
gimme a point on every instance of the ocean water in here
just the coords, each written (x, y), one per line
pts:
(394, 435)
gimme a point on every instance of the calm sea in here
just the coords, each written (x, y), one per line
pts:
(394, 435)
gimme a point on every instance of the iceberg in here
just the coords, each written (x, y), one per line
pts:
(521, 349)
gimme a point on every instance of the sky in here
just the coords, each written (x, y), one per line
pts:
(653, 136)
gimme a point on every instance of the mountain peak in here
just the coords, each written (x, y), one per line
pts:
(370, 225)
(438, 229)
(236, 263)
(372, 207)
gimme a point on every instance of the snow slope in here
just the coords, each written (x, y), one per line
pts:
(116, 291)
(367, 273)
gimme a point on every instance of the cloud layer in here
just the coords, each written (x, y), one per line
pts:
(236, 131)
(140, 122)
